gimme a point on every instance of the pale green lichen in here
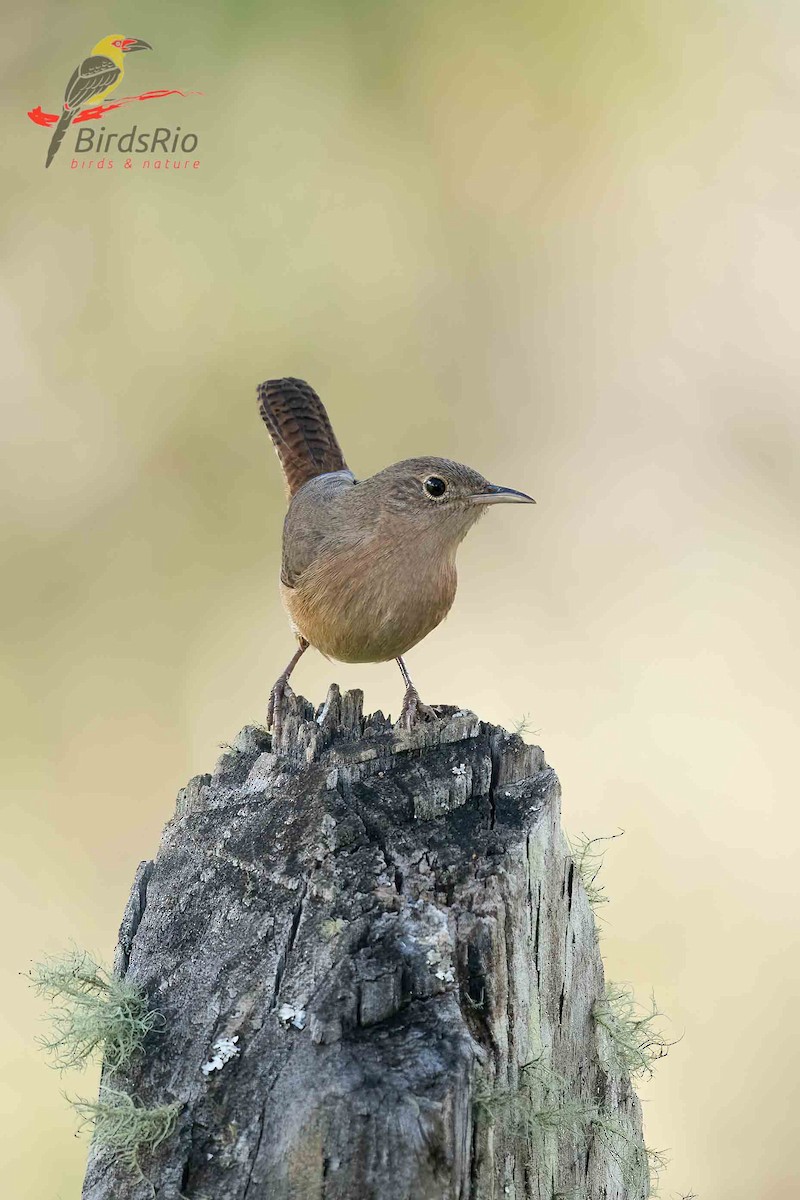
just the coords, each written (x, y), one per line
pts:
(540, 1110)
(523, 726)
(331, 928)
(93, 1012)
(123, 1127)
(634, 1038)
(639, 1166)
(588, 854)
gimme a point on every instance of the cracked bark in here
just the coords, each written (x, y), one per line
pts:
(391, 925)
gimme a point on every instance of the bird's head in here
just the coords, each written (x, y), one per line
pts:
(436, 495)
(116, 44)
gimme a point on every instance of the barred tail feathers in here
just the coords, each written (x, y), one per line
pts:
(300, 430)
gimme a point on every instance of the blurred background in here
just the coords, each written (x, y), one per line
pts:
(560, 242)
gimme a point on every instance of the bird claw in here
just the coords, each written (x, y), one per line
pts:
(414, 712)
(278, 695)
(277, 701)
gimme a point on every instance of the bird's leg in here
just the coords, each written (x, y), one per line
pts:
(413, 710)
(276, 696)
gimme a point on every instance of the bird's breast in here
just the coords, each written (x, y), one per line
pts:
(372, 602)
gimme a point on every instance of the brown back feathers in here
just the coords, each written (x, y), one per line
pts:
(300, 431)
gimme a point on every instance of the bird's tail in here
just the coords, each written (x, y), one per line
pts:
(300, 431)
(61, 128)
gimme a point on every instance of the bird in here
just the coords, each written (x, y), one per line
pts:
(92, 81)
(368, 565)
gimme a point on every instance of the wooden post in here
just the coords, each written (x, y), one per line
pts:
(377, 966)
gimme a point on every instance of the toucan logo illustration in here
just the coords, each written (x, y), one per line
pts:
(90, 84)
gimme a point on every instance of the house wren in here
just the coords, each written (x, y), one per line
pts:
(368, 566)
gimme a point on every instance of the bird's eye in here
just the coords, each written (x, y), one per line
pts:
(435, 487)
(117, 43)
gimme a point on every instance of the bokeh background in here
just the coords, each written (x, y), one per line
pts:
(559, 241)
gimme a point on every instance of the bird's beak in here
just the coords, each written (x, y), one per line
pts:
(134, 44)
(501, 495)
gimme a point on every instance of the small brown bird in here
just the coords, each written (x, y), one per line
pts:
(368, 565)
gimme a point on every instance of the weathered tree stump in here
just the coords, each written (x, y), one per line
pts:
(391, 927)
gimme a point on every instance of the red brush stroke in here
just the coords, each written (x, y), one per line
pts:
(93, 114)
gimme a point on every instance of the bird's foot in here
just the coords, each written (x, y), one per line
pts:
(414, 712)
(278, 698)
(281, 692)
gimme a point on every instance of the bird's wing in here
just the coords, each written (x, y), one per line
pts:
(300, 431)
(95, 74)
(314, 524)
